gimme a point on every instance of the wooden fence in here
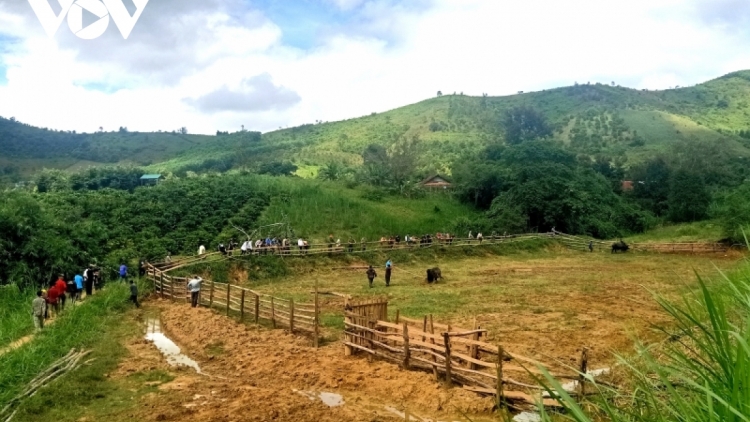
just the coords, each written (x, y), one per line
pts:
(250, 305)
(458, 355)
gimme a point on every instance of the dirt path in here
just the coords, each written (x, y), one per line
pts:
(259, 374)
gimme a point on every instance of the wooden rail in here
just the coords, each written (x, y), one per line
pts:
(297, 317)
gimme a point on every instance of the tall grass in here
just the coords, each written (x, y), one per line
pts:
(15, 314)
(79, 327)
(699, 373)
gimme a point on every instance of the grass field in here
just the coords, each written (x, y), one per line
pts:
(544, 303)
(701, 231)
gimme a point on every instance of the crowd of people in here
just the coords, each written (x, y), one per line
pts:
(50, 302)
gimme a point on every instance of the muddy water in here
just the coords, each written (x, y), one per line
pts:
(329, 399)
(167, 347)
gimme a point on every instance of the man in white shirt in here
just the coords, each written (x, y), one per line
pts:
(201, 250)
(194, 287)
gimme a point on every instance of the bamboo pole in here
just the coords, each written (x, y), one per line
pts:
(211, 296)
(229, 296)
(242, 306)
(500, 398)
(448, 380)
(434, 359)
(161, 283)
(257, 308)
(291, 316)
(317, 317)
(273, 313)
(407, 353)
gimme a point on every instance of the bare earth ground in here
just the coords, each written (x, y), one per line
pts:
(253, 372)
(547, 307)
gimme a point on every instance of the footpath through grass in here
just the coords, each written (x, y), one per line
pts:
(97, 324)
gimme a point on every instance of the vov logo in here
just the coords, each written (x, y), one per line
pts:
(73, 9)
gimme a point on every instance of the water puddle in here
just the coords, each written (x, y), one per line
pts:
(329, 399)
(167, 347)
(527, 417)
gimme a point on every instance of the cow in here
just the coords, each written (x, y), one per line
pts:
(433, 275)
(620, 246)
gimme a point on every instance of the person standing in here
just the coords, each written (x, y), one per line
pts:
(201, 250)
(480, 238)
(591, 246)
(134, 294)
(38, 311)
(79, 286)
(351, 244)
(123, 272)
(61, 287)
(388, 270)
(194, 287)
(89, 274)
(71, 289)
(330, 243)
(371, 274)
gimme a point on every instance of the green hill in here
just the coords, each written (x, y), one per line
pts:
(591, 119)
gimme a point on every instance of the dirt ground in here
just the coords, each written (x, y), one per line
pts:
(548, 308)
(253, 374)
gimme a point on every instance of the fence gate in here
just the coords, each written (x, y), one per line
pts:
(366, 316)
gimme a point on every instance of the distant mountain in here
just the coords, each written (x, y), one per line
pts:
(591, 119)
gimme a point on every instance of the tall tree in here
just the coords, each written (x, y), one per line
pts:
(688, 197)
(524, 123)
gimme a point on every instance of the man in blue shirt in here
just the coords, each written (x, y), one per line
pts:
(123, 272)
(388, 269)
(79, 286)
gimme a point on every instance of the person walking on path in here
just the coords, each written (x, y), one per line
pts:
(123, 272)
(38, 310)
(79, 286)
(71, 289)
(194, 287)
(201, 250)
(371, 274)
(591, 246)
(53, 300)
(388, 270)
(61, 287)
(134, 294)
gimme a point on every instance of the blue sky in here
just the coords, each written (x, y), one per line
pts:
(303, 22)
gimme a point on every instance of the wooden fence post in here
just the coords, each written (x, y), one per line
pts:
(316, 322)
(397, 315)
(211, 296)
(347, 349)
(229, 296)
(273, 314)
(171, 288)
(448, 376)
(474, 350)
(257, 308)
(407, 353)
(583, 371)
(161, 284)
(500, 356)
(291, 316)
(434, 359)
(242, 306)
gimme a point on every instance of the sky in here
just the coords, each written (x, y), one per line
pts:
(211, 65)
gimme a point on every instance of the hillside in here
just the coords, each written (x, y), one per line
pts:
(591, 119)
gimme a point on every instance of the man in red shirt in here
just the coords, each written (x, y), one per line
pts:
(52, 299)
(61, 287)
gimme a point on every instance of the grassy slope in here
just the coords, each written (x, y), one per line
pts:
(714, 110)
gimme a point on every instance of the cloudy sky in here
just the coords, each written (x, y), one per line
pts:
(218, 64)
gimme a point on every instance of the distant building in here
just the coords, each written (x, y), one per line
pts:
(151, 179)
(627, 185)
(436, 182)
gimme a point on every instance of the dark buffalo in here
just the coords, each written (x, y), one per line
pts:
(433, 275)
(620, 247)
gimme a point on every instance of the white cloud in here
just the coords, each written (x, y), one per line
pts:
(387, 55)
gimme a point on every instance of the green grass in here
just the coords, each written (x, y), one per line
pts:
(15, 314)
(85, 326)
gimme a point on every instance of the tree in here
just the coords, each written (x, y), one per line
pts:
(688, 197)
(332, 171)
(375, 154)
(651, 185)
(440, 93)
(183, 130)
(524, 123)
(278, 168)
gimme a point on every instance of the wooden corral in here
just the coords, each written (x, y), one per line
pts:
(250, 305)
(455, 355)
